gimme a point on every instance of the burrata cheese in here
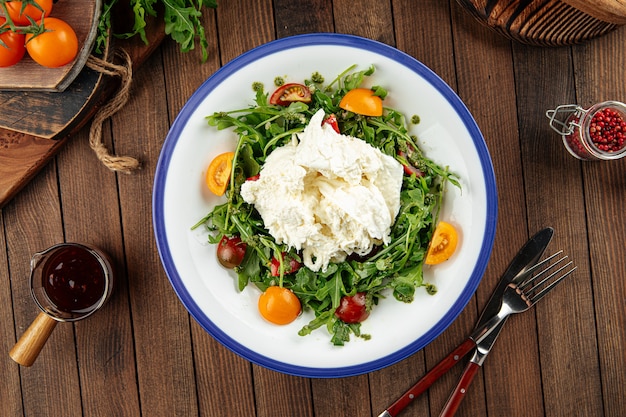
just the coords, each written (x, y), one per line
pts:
(327, 194)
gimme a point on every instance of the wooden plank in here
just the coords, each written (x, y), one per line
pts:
(599, 68)
(104, 341)
(161, 325)
(565, 320)
(30, 112)
(373, 20)
(233, 395)
(291, 21)
(278, 394)
(54, 375)
(11, 399)
(485, 74)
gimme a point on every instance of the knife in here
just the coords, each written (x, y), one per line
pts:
(517, 270)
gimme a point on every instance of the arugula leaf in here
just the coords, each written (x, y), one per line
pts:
(182, 22)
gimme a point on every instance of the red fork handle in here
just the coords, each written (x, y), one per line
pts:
(460, 390)
(427, 380)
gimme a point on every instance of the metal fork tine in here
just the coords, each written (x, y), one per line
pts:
(541, 273)
(538, 265)
(538, 296)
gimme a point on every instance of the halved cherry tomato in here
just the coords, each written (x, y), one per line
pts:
(332, 121)
(55, 47)
(20, 17)
(279, 305)
(442, 245)
(218, 172)
(289, 93)
(231, 251)
(291, 265)
(362, 101)
(353, 308)
(11, 47)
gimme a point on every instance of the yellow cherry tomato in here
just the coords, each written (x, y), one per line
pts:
(218, 173)
(443, 244)
(279, 305)
(362, 101)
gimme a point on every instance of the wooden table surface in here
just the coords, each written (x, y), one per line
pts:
(143, 354)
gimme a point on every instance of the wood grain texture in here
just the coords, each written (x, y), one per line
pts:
(10, 398)
(25, 235)
(599, 77)
(104, 342)
(27, 75)
(543, 155)
(613, 11)
(143, 355)
(540, 22)
(159, 318)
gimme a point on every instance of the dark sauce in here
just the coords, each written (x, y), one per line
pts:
(73, 279)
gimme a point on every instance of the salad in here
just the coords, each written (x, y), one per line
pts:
(344, 291)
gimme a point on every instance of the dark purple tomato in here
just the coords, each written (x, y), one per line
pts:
(230, 251)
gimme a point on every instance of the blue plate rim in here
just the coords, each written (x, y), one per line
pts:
(245, 59)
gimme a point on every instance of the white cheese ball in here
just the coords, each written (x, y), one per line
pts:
(327, 194)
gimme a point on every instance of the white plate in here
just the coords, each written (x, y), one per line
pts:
(447, 133)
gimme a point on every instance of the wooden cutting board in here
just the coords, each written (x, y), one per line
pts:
(34, 125)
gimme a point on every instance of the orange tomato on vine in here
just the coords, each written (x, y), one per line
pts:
(55, 46)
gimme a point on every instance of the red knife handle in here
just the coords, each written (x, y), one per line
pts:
(434, 374)
(461, 389)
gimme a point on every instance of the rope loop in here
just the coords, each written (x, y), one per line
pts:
(123, 164)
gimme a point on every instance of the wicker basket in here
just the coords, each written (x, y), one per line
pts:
(549, 22)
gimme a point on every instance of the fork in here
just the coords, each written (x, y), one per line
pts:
(517, 298)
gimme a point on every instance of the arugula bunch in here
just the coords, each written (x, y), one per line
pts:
(396, 267)
(182, 22)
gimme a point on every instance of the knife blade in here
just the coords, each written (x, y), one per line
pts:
(527, 256)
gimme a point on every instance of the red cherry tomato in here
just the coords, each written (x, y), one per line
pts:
(55, 47)
(20, 17)
(289, 93)
(231, 251)
(332, 121)
(11, 47)
(353, 308)
(290, 264)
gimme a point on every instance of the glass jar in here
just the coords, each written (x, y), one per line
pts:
(595, 134)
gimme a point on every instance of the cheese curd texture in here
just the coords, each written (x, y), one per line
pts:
(327, 194)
